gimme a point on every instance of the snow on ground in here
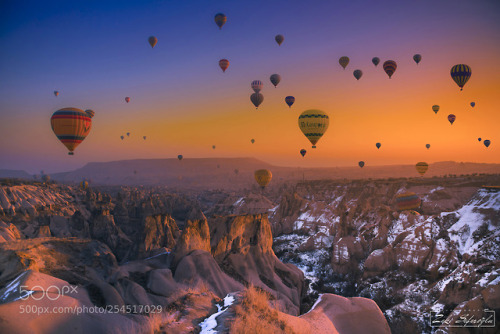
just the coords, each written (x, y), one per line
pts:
(316, 303)
(238, 202)
(208, 325)
(13, 287)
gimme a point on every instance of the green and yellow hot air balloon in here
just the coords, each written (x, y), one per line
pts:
(313, 123)
(460, 74)
(422, 167)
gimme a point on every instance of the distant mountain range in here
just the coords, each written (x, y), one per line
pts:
(16, 174)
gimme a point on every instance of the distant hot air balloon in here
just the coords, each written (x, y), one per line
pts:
(473, 104)
(122, 137)
(180, 157)
(257, 86)
(313, 123)
(220, 20)
(213, 147)
(408, 201)
(344, 61)
(218, 166)
(257, 99)
(152, 41)
(460, 74)
(451, 118)
(236, 171)
(128, 134)
(224, 64)
(45, 178)
(252, 141)
(303, 152)
(357, 74)
(56, 93)
(279, 39)
(479, 139)
(375, 61)
(144, 137)
(275, 79)
(289, 100)
(422, 167)
(127, 99)
(390, 67)
(71, 126)
(378, 145)
(263, 177)
(487, 143)
(428, 146)
(84, 185)
(417, 58)
(435, 108)
(361, 164)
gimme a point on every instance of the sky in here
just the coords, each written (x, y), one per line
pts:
(95, 53)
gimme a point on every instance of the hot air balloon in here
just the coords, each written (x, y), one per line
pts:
(252, 141)
(220, 19)
(152, 41)
(45, 178)
(460, 74)
(435, 108)
(375, 61)
(408, 201)
(473, 104)
(71, 126)
(451, 118)
(122, 137)
(279, 39)
(303, 152)
(422, 167)
(56, 93)
(263, 177)
(144, 137)
(313, 123)
(257, 86)
(487, 143)
(428, 146)
(180, 157)
(257, 99)
(275, 79)
(224, 64)
(357, 74)
(289, 100)
(417, 58)
(127, 99)
(213, 147)
(344, 61)
(390, 67)
(479, 139)
(378, 145)
(84, 185)
(361, 164)
(128, 134)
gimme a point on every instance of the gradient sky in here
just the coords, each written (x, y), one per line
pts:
(95, 53)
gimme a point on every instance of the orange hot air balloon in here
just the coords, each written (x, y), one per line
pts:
(224, 64)
(152, 41)
(127, 99)
(263, 177)
(71, 126)
(422, 167)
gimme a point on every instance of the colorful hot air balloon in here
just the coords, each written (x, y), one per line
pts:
(213, 147)
(257, 86)
(252, 141)
(180, 157)
(378, 145)
(303, 152)
(122, 137)
(390, 67)
(84, 185)
(128, 134)
(279, 39)
(375, 61)
(224, 64)
(313, 123)
(487, 142)
(422, 167)
(275, 79)
(357, 74)
(263, 177)
(479, 139)
(460, 74)
(257, 99)
(451, 118)
(361, 164)
(408, 201)
(417, 58)
(473, 104)
(56, 93)
(127, 99)
(152, 41)
(144, 137)
(220, 20)
(428, 146)
(71, 126)
(344, 61)
(435, 108)
(289, 100)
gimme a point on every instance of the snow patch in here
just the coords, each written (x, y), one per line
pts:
(208, 325)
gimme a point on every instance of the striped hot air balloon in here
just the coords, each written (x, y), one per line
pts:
(460, 74)
(390, 67)
(313, 123)
(257, 86)
(435, 108)
(263, 177)
(303, 152)
(289, 100)
(71, 126)
(344, 61)
(224, 64)
(220, 20)
(451, 118)
(84, 185)
(422, 167)
(279, 39)
(408, 201)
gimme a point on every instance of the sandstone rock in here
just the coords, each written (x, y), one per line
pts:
(196, 235)
(379, 261)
